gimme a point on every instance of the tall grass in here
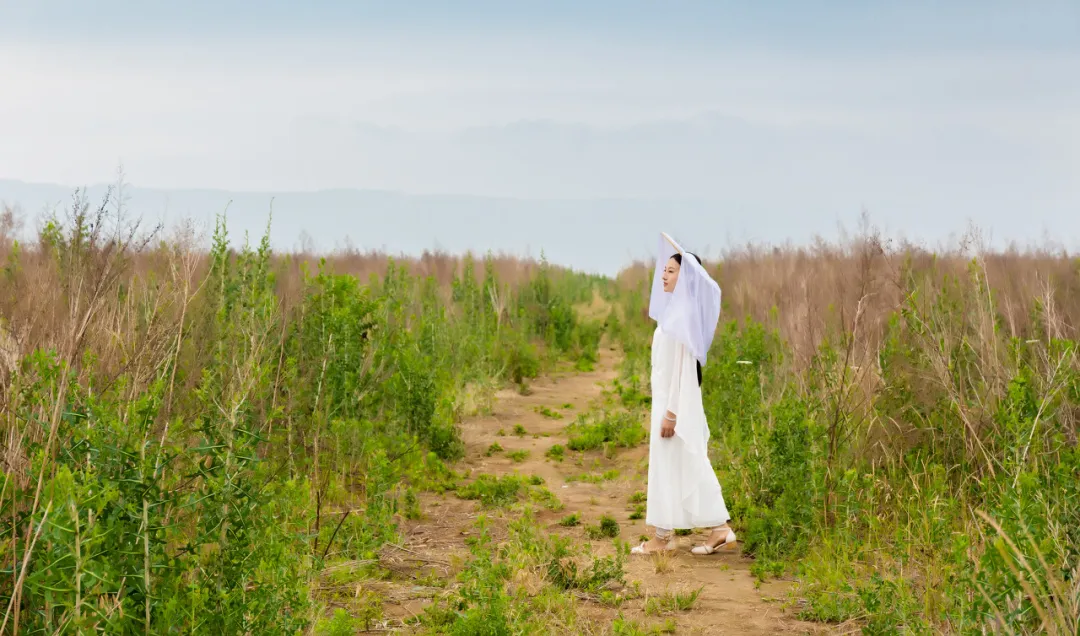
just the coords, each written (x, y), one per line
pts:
(889, 419)
(190, 435)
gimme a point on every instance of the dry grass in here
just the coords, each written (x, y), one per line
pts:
(808, 293)
(964, 296)
(124, 302)
(903, 348)
(663, 563)
(43, 305)
(115, 303)
(1055, 597)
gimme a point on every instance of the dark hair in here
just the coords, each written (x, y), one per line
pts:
(677, 257)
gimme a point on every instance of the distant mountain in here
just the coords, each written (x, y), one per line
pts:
(590, 235)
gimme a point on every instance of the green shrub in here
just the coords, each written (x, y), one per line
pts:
(680, 601)
(342, 624)
(548, 413)
(493, 491)
(608, 528)
(210, 431)
(621, 429)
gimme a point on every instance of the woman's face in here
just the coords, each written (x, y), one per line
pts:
(671, 275)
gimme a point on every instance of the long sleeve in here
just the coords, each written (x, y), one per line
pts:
(674, 388)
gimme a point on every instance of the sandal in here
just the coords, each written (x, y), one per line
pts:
(706, 549)
(641, 549)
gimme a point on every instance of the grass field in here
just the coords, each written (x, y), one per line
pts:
(235, 441)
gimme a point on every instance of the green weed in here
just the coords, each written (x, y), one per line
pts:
(680, 601)
(621, 429)
(546, 498)
(493, 491)
(342, 624)
(608, 528)
(594, 478)
(548, 413)
(556, 453)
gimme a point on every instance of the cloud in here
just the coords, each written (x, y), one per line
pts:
(921, 135)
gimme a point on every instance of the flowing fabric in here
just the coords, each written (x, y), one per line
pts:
(683, 489)
(689, 313)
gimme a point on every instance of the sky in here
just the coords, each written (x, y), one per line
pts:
(926, 114)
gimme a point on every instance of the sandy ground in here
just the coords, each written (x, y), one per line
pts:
(730, 602)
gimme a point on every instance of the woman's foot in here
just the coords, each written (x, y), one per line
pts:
(654, 545)
(720, 538)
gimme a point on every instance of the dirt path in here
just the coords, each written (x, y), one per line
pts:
(729, 603)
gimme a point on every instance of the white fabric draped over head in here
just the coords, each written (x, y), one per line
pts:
(691, 312)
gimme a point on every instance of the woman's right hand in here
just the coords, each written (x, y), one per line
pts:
(668, 429)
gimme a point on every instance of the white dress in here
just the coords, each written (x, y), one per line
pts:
(683, 489)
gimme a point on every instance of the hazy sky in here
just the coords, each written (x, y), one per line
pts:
(927, 113)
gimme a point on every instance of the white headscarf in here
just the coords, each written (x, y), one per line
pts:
(691, 312)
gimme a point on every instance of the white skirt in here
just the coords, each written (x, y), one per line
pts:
(683, 489)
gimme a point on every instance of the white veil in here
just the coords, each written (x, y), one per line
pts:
(691, 312)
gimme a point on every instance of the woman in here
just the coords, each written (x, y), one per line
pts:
(683, 489)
